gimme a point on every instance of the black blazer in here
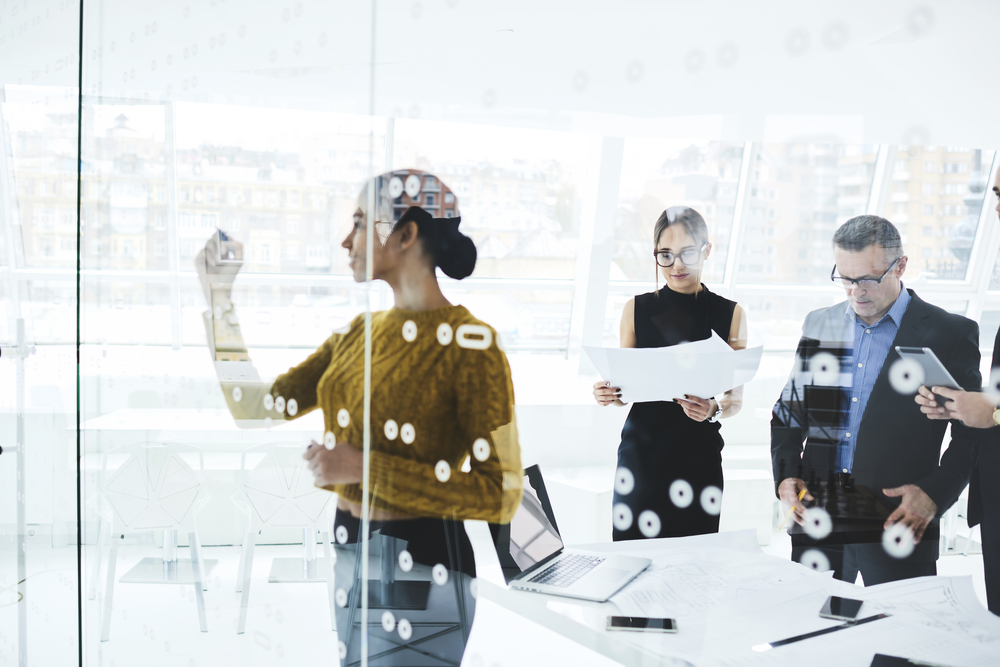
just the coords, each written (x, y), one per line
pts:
(896, 443)
(984, 499)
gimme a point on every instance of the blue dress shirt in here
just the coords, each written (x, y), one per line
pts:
(871, 347)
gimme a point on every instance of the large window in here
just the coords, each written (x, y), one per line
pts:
(520, 192)
(800, 194)
(658, 174)
(936, 199)
(159, 177)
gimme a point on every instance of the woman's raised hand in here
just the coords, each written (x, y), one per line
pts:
(216, 273)
(605, 394)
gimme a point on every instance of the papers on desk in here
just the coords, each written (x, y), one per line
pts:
(704, 368)
(727, 597)
(931, 619)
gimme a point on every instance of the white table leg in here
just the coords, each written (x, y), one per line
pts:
(247, 574)
(169, 546)
(199, 576)
(95, 573)
(199, 592)
(109, 589)
(243, 557)
(330, 592)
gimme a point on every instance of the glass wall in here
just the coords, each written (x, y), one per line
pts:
(800, 195)
(238, 419)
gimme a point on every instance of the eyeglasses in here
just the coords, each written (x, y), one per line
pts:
(863, 283)
(689, 256)
(382, 229)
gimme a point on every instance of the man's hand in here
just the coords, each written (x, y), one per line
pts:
(916, 510)
(696, 408)
(340, 465)
(605, 394)
(789, 491)
(972, 408)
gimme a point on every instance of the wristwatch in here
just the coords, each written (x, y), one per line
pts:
(996, 416)
(718, 413)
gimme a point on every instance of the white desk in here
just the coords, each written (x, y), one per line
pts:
(727, 597)
(222, 442)
(212, 425)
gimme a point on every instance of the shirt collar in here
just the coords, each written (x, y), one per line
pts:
(895, 313)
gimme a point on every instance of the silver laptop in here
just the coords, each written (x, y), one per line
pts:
(546, 567)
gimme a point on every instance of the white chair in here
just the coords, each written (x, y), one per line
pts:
(278, 492)
(152, 489)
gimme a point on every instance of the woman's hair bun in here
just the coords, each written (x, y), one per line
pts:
(456, 253)
(452, 250)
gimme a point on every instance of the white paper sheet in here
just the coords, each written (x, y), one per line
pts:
(704, 368)
(727, 597)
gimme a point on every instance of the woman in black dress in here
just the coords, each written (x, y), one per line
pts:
(669, 478)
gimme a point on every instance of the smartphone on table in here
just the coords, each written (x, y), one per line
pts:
(641, 624)
(841, 609)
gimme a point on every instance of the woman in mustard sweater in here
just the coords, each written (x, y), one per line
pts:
(441, 391)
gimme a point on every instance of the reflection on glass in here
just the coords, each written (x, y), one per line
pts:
(936, 199)
(444, 445)
(38, 474)
(520, 190)
(655, 176)
(800, 194)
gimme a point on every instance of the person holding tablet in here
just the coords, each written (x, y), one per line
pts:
(979, 410)
(669, 478)
(846, 419)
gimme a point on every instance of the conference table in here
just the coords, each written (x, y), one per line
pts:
(729, 598)
(732, 604)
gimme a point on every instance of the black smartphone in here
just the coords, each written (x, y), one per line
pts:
(841, 609)
(642, 624)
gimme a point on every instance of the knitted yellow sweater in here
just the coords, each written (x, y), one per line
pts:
(441, 395)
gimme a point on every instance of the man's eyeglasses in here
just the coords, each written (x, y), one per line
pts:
(863, 283)
(689, 256)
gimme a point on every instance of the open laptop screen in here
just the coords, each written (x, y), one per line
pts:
(533, 538)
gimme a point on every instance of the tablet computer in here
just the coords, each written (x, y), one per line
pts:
(935, 374)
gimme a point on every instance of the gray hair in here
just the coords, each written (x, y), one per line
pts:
(863, 231)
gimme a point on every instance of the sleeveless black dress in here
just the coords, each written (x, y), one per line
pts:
(660, 444)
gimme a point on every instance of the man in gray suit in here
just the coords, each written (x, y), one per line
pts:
(844, 431)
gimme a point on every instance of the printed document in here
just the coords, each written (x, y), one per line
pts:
(704, 368)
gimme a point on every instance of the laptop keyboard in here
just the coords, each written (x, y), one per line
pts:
(567, 570)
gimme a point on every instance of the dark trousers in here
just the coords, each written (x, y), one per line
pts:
(875, 565)
(991, 564)
(429, 541)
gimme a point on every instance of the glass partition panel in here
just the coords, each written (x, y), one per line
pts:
(219, 180)
(281, 425)
(527, 320)
(657, 174)
(521, 191)
(39, 586)
(989, 324)
(800, 194)
(936, 199)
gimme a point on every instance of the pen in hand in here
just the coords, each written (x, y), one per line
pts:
(802, 494)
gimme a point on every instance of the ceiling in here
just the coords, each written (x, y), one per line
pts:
(875, 72)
